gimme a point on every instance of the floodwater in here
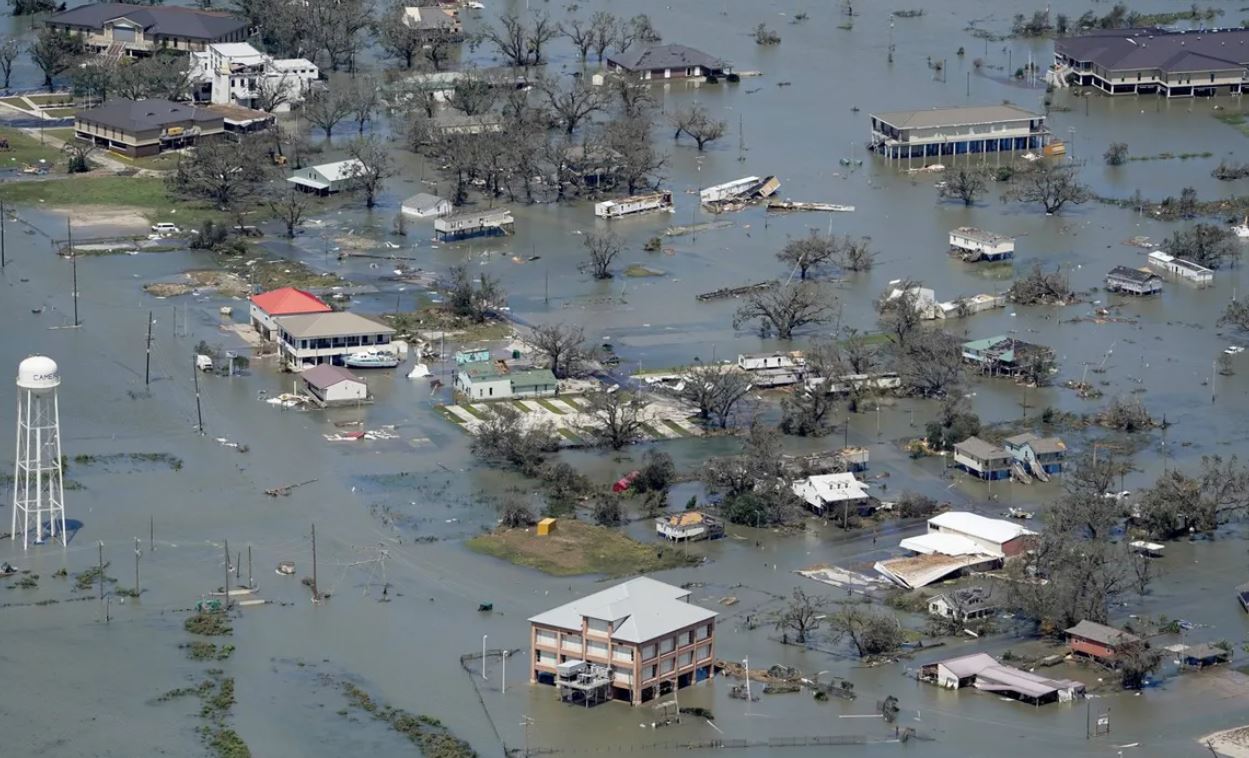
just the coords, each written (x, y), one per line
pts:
(80, 686)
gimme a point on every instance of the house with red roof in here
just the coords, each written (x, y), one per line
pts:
(287, 301)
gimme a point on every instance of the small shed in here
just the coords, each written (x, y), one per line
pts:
(334, 385)
(546, 526)
(425, 205)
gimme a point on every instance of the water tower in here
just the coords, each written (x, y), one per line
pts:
(38, 489)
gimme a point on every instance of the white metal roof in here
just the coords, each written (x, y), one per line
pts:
(239, 50)
(940, 543)
(974, 525)
(829, 488)
(641, 609)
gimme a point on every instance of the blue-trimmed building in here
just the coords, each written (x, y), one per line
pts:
(903, 135)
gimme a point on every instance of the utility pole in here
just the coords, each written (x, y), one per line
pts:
(238, 565)
(250, 582)
(137, 553)
(3, 261)
(147, 368)
(73, 258)
(226, 586)
(151, 533)
(503, 667)
(316, 592)
(1214, 378)
(199, 413)
(100, 567)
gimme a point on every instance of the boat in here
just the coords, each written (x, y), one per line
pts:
(286, 568)
(372, 359)
(418, 371)
(1019, 513)
(485, 607)
(1151, 549)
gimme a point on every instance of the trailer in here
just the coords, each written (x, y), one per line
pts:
(634, 204)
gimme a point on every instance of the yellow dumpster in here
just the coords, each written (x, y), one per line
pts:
(546, 526)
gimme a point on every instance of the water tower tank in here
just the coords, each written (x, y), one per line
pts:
(38, 372)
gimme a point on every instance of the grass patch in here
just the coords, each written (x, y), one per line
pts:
(61, 112)
(426, 732)
(435, 318)
(16, 102)
(569, 435)
(519, 406)
(224, 742)
(85, 580)
(576, 547)
(61, 132)
(474, 412)
(24, 148)
(638, 271)
(1236, 120)
(159, 162)
(552, 407)
(653, 432)
(449, 416)
(208, 624)
(675, 427)
(147, 194)
(198, 650)
(50, 99)
(575, 402)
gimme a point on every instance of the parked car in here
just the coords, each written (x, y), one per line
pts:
(165, 227)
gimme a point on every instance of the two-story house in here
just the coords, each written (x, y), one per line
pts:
(146, 127)
(628, 642)
(121, 29)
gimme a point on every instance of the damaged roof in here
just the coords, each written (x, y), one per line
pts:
(664, 56)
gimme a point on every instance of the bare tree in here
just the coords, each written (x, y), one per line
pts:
(289, 206)
(521, 42)
(602, 248)
(1053, 185)
(225, 173)
(562, 345)
(336, 26)
(802, 615)
(365, 100)
(373, 165)
(855, 255)
(476, 300)
(899, 311)
(1039, 287)
(326, 107)
(806, 254)
(715, 390)
(930, 364)
(1180, 503)
(573, 104)
(807, 410)
(10, 49)
(603, 25)
(784, 309)
(637, 163)
(1116, 154)
(635, 98)
(615, 418)
(638, 29)
(698, 125)
(55, 52)
(273, 92)
(506, 437)
(964, 184)
(396, 36)
(581, 33)
(437, 51)
(870, 632)
(78, 152)
(1236, 315)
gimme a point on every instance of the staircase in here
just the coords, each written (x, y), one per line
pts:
(1057, 75)
(114, 52)
(1037, 470)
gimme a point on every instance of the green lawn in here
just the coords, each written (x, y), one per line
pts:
(575, 547)
(26, 149)
(147, 194)
(569, 435)
(49, 99)
(16, 102)
(552, 407)
(61, 112)
(1236, 120)
(475, 413)
(675, 427)
(653, 432)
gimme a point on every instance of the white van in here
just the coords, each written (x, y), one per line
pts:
(165, 227)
